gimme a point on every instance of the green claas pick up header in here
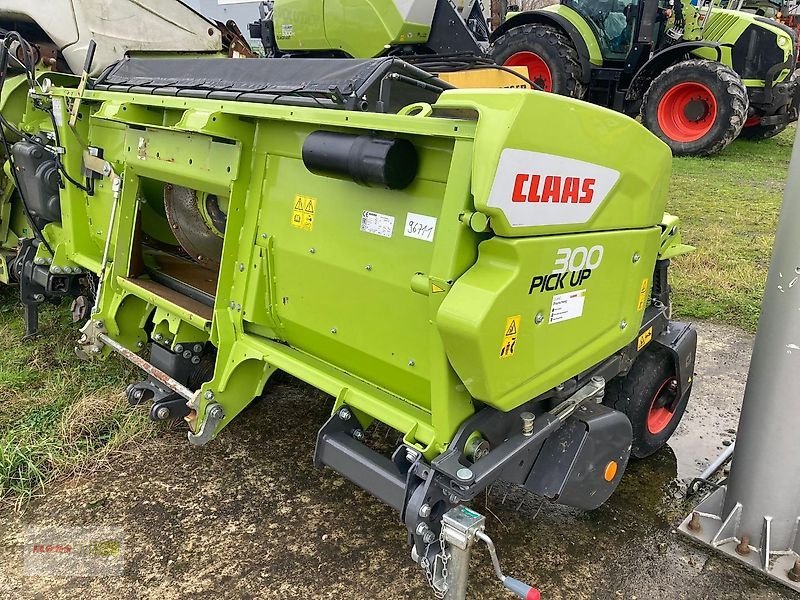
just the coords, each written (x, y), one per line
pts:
(498, 298)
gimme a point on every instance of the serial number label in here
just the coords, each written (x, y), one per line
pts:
(421, 227)
(377, 223)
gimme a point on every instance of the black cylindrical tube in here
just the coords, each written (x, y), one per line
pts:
(366, 159)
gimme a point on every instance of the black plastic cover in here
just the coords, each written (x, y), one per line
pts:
(571, 468)
(350, 84)
(39, 181)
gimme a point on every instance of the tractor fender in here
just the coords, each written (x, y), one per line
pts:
(550, 18)
(660, 61)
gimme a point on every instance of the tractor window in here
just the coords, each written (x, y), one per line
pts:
(613, 21)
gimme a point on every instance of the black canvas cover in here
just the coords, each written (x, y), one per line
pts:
(330, 82)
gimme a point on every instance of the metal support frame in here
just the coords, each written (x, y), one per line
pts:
(755, 518)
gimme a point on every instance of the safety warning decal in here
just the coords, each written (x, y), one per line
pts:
(57, 115)
(533, 188)
(377, 223)
(642, 295)
(567, 306)
(510, 334)
(303, 212)
(645, 338)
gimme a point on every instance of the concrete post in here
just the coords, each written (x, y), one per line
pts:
(756, 517)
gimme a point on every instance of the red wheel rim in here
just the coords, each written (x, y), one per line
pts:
(662, 407)
(752, 122)
(538, 71)
(687, 112)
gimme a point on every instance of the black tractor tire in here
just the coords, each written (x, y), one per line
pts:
(713, 90)
(639, 394)
(553, 47)
(755, 133)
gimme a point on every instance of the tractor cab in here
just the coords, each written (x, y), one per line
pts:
(613, 23)
(698, 75)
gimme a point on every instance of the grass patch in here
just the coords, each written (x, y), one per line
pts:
(58, 415)
(728, 205)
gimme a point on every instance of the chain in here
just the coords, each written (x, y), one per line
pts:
(445, 558)
(430, 569)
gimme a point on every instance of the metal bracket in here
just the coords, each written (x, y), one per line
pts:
(89, 344)
(214, 415)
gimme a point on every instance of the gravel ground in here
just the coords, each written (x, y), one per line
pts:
(249, 516)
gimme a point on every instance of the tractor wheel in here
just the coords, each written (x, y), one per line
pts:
(552, 60)
(756, 132)
(647, 395)
(696, 107)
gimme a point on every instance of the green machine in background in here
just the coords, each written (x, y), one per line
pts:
(499, 299)
(698, 75)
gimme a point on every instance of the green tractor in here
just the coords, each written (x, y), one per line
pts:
(698, 75)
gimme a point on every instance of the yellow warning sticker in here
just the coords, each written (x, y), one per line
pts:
(436, 289)
(303, 212)
(642, 295)
(510, 334)
(644, 338)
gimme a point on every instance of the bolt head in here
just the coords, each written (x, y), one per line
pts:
(345, 414)
(464, 474)
(538, 318)
(411, 363)
(195, 360)
(623, 324)
(163, 413)
(198, 348)
(179, 349)
(358, 435)
(209, 395)
(425, 511)
(140, 345)
(368, 267)
(137, 394)
(241, 267)
(429, 537)
(99, 324)
(158, 337)
(636, 257)
(333, 330)
(56, 270)
(411, 455)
